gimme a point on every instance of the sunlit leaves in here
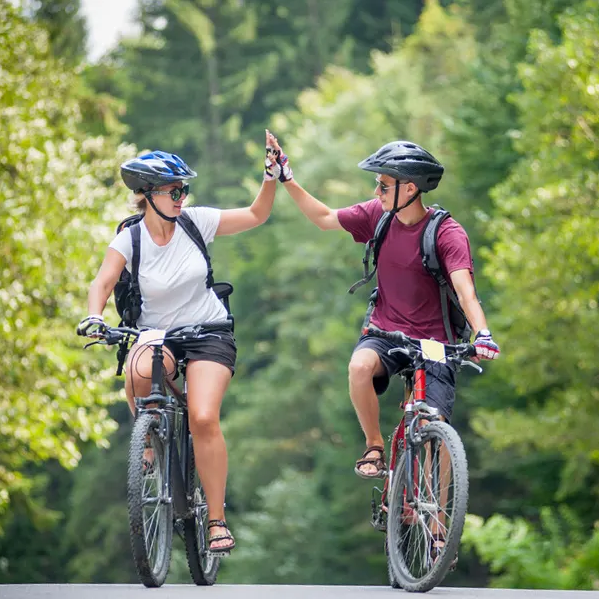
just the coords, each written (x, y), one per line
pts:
(60, 202)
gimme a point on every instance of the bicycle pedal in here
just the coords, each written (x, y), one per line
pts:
(218, 554)
(379, 521)
(378, 525)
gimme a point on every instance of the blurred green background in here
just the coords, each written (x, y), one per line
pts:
(505, 93)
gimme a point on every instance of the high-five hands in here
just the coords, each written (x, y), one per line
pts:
(276, 164)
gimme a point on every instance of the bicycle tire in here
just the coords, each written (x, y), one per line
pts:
(393, 582)
(151, 572)
(202, 566)
(397, 549)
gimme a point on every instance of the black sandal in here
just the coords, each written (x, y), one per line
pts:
(148, 464)
(379, 463)
(228, 537)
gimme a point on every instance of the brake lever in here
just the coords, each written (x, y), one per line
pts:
(472, 365)
(98, 342)
(402, 350)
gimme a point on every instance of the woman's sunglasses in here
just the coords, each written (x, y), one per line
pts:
(176, 193)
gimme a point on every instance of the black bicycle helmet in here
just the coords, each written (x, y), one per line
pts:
(406, 160)
(153, 170)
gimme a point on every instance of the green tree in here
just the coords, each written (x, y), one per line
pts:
(59, 198)
(556, 554)
(66, 27)
(545, 255)
(544, 266)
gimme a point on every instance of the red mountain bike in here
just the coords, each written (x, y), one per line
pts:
(423, 503)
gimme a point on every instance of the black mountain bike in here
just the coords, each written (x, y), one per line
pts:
(423, 503)
(164, 492)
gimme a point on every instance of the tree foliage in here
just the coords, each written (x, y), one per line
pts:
(58, 193)
(546, 255)
(66, 27)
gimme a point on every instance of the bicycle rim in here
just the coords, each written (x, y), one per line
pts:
(440, 476)
(150, 514)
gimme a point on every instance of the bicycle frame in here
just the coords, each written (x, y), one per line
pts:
(172, 411)
(406, 435)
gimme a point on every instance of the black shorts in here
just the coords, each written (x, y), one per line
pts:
(440, 378)
(218, 346)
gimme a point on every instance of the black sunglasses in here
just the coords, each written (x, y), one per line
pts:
(176, 193)
(384, 188)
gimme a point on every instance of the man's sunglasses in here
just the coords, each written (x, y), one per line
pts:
(384, 188)
(176, 193)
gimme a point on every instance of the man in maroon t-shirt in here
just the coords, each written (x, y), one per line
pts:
(408, 296)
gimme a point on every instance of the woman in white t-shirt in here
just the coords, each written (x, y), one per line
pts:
(172, 280)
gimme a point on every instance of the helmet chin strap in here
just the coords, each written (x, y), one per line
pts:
(410, 201)
(170, 219)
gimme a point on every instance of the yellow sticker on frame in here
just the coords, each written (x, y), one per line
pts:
(433, 350)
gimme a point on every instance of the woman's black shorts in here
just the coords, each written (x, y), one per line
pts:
(217, 346)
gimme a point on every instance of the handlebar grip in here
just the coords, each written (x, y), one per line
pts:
(396, 336)
(217, 325)
(470, 351)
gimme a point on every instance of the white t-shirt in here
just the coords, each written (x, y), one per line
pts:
(172, 278)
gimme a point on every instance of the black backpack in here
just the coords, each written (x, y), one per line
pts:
(453, 314)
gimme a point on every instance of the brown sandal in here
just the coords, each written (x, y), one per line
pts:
(222, 551)
(379, 463)
(437, 546)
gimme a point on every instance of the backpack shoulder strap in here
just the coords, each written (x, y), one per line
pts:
(428, 245)
(373, 247)
(129, 221)
(190, 228)
(432, 264)
(136, 245)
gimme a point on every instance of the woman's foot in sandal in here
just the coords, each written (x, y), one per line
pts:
(148, 458)
(372, 464)
(220, 539)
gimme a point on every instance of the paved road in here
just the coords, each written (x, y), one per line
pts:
(125, 591)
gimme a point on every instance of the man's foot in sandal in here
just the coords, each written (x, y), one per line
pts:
(220, 540)
(437, 545)
(372, 464)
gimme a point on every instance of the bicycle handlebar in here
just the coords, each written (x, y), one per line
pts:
(113, 335)
(457, 352)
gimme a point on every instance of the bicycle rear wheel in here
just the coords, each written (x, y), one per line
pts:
(150, 512)
(203, 566)
(440, 476)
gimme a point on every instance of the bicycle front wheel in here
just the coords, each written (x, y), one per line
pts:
(418, 560)
(150, 511)
(203, 566)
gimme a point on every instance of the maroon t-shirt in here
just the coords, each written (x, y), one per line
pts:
(409, 299)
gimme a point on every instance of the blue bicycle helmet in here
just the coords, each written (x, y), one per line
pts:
(153, 170)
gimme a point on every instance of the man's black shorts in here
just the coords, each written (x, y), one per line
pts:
(440, 378)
